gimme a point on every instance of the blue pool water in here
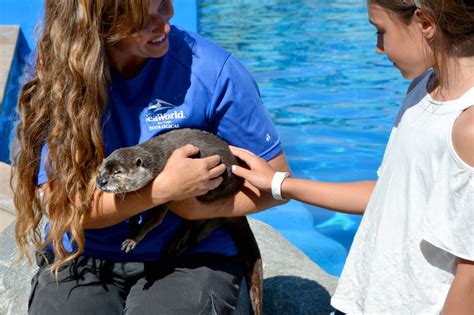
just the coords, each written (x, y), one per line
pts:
(332, 98)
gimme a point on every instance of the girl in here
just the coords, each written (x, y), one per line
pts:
(414, 250)
(110, 74)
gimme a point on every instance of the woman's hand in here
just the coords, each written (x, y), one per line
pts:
(260, 173)
(184, 177)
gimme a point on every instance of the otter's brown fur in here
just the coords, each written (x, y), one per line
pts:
(129, 169)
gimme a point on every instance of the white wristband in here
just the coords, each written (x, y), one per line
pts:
(277, 180)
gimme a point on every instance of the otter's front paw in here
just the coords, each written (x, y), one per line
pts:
(128, 245)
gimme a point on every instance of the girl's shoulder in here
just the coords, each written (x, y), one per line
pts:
(415, 93)
(418, 80)
(463, 136)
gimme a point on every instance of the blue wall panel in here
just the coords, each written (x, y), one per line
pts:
(26, 13)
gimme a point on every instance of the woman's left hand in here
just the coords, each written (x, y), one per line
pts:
(184, 176)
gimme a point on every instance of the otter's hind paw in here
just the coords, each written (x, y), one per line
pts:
(128, 245)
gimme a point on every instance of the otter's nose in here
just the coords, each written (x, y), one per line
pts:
(102, 181)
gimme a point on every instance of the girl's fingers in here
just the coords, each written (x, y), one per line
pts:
(241, 172)
(244, 155)
(237, 149)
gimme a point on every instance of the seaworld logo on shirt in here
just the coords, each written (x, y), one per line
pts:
(159, 105)
(160, 116)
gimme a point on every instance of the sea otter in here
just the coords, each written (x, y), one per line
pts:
(129, 169)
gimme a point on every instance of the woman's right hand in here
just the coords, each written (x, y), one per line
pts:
(184, 177)
(260, 173)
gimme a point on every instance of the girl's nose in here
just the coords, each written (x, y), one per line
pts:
(379, 49)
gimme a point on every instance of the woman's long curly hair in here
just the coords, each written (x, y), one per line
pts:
(61, 107)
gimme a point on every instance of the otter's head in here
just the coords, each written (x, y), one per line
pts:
(126, 169)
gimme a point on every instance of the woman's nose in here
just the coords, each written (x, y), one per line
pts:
(160, 23)
(163, 16)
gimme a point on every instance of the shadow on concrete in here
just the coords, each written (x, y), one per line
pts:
(294, 295)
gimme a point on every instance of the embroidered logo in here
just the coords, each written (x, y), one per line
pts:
(159, 105)
(161, 115)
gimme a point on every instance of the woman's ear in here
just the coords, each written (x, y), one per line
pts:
(426, 23)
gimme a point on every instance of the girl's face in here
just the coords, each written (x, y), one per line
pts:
(403, 43)
(152, 40)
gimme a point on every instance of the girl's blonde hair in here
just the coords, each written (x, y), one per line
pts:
(62, 107)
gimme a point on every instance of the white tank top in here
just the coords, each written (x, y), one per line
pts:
(419, 219)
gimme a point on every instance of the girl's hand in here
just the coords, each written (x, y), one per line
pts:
(260, 173)
(184, 177)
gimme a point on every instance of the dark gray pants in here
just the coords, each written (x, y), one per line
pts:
(197, 284)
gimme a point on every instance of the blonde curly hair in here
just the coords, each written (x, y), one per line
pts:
(61, 107)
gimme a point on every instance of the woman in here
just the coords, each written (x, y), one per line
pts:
(110, 74)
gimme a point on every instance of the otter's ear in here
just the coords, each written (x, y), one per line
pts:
(138, 162)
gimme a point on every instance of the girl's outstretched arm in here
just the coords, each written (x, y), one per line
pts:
(342, 197)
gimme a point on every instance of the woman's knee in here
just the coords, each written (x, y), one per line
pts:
(185, 291)
(73, 291)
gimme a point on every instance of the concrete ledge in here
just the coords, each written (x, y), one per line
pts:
(7, 210)
(8, 42)
(293, 283)
(6, 218)
(15, 277)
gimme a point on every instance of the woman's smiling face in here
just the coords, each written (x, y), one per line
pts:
(149, 42)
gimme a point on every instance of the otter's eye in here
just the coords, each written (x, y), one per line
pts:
(117, 171)
(138, 162)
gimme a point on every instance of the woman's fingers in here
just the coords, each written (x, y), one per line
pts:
(217, 171)
(212, 161)
(187, 151)
(213, 183)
